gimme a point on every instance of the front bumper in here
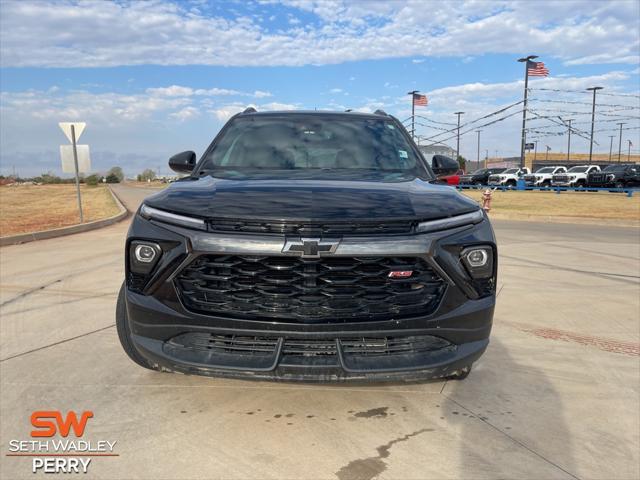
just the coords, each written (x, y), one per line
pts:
(462, 321)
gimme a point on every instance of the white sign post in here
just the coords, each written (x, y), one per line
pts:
(73, 130)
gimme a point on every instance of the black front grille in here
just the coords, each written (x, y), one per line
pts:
(227, 344)
(310, 347)
(309, 290)
(597, 178)
(560, 178)
(309, 229)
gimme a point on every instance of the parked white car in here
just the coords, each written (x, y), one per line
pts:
(542, 177)
(574, 177)
(509, 177)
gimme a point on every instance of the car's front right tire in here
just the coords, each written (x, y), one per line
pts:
(124, 332)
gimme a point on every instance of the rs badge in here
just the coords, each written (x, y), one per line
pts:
(400, 274)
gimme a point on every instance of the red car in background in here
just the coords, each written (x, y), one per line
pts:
(452, 179)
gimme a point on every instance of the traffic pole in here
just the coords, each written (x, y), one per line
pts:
(75, 163)
(413, 114)
(620, 143)
(593, 117)
(569, 142)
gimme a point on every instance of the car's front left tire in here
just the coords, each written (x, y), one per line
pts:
(124, 332)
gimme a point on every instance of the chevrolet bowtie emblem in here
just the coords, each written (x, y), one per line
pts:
(310, 247)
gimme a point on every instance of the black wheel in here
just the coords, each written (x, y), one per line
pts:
(460, 374)
(124, 332)
(580, 184)
(619, 184)
(511, 184)
(546, 183)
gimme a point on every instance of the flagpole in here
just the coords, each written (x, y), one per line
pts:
(524, 106)
(413, 114)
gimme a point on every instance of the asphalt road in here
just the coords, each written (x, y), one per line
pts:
(557, 394)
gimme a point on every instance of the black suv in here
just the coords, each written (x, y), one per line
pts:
(621, 175)
(479, 177)
(308, 246)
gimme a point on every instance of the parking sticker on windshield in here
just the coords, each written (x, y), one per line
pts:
(403, 154)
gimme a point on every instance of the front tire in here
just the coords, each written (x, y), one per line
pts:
(124, 332)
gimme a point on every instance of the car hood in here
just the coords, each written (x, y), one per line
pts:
(311, 200)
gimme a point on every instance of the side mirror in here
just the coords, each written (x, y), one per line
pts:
(442, 165)
(183, 162)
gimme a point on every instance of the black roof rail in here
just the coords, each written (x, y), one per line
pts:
(250, 110)
(380, 112)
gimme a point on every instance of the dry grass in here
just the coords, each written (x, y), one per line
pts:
(566, 205)
(31, 208)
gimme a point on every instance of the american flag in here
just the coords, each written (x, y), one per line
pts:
(537, 69)
(420, 100)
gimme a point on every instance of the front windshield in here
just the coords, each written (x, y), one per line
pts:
(510, 171)
(482, 171)
(545, 170)
(292, 144)
(615, 168)
(578, 169)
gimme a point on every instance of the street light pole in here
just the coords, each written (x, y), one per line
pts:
(620, 142)
(524, 105)
(478, 132)
(593, 117)
(569, 142)
(611, 146)
(458, 141)
(547, 155)
(486, 158)
(413, 114)
(535, 151)
(629, 151)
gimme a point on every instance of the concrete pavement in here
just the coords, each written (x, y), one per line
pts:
(557, 394)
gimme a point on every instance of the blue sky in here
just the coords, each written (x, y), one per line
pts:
(154, 78)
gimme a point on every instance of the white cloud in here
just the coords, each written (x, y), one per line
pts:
(262, 94)
(187, 113)
(68, 34)
(418, 60)
(336, 90)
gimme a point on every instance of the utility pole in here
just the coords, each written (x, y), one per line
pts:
(526, 61)
(75, 162)
(458, 142)
(478, 132)
(547, 155)
(486, 158)
(569, 142)
(593, 117)
(611, 146)
(413, 113)
(629, 151)
(535, 151)
(620, 142)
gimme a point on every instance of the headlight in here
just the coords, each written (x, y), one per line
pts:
(572, 177)
(610, 176)
(478, 260)
(168, 217)
(451, 222)
(143, 256)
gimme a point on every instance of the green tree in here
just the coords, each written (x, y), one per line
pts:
(462, 162)
(147, 175)
(112, 178)
(117, 172)
(92, 179)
